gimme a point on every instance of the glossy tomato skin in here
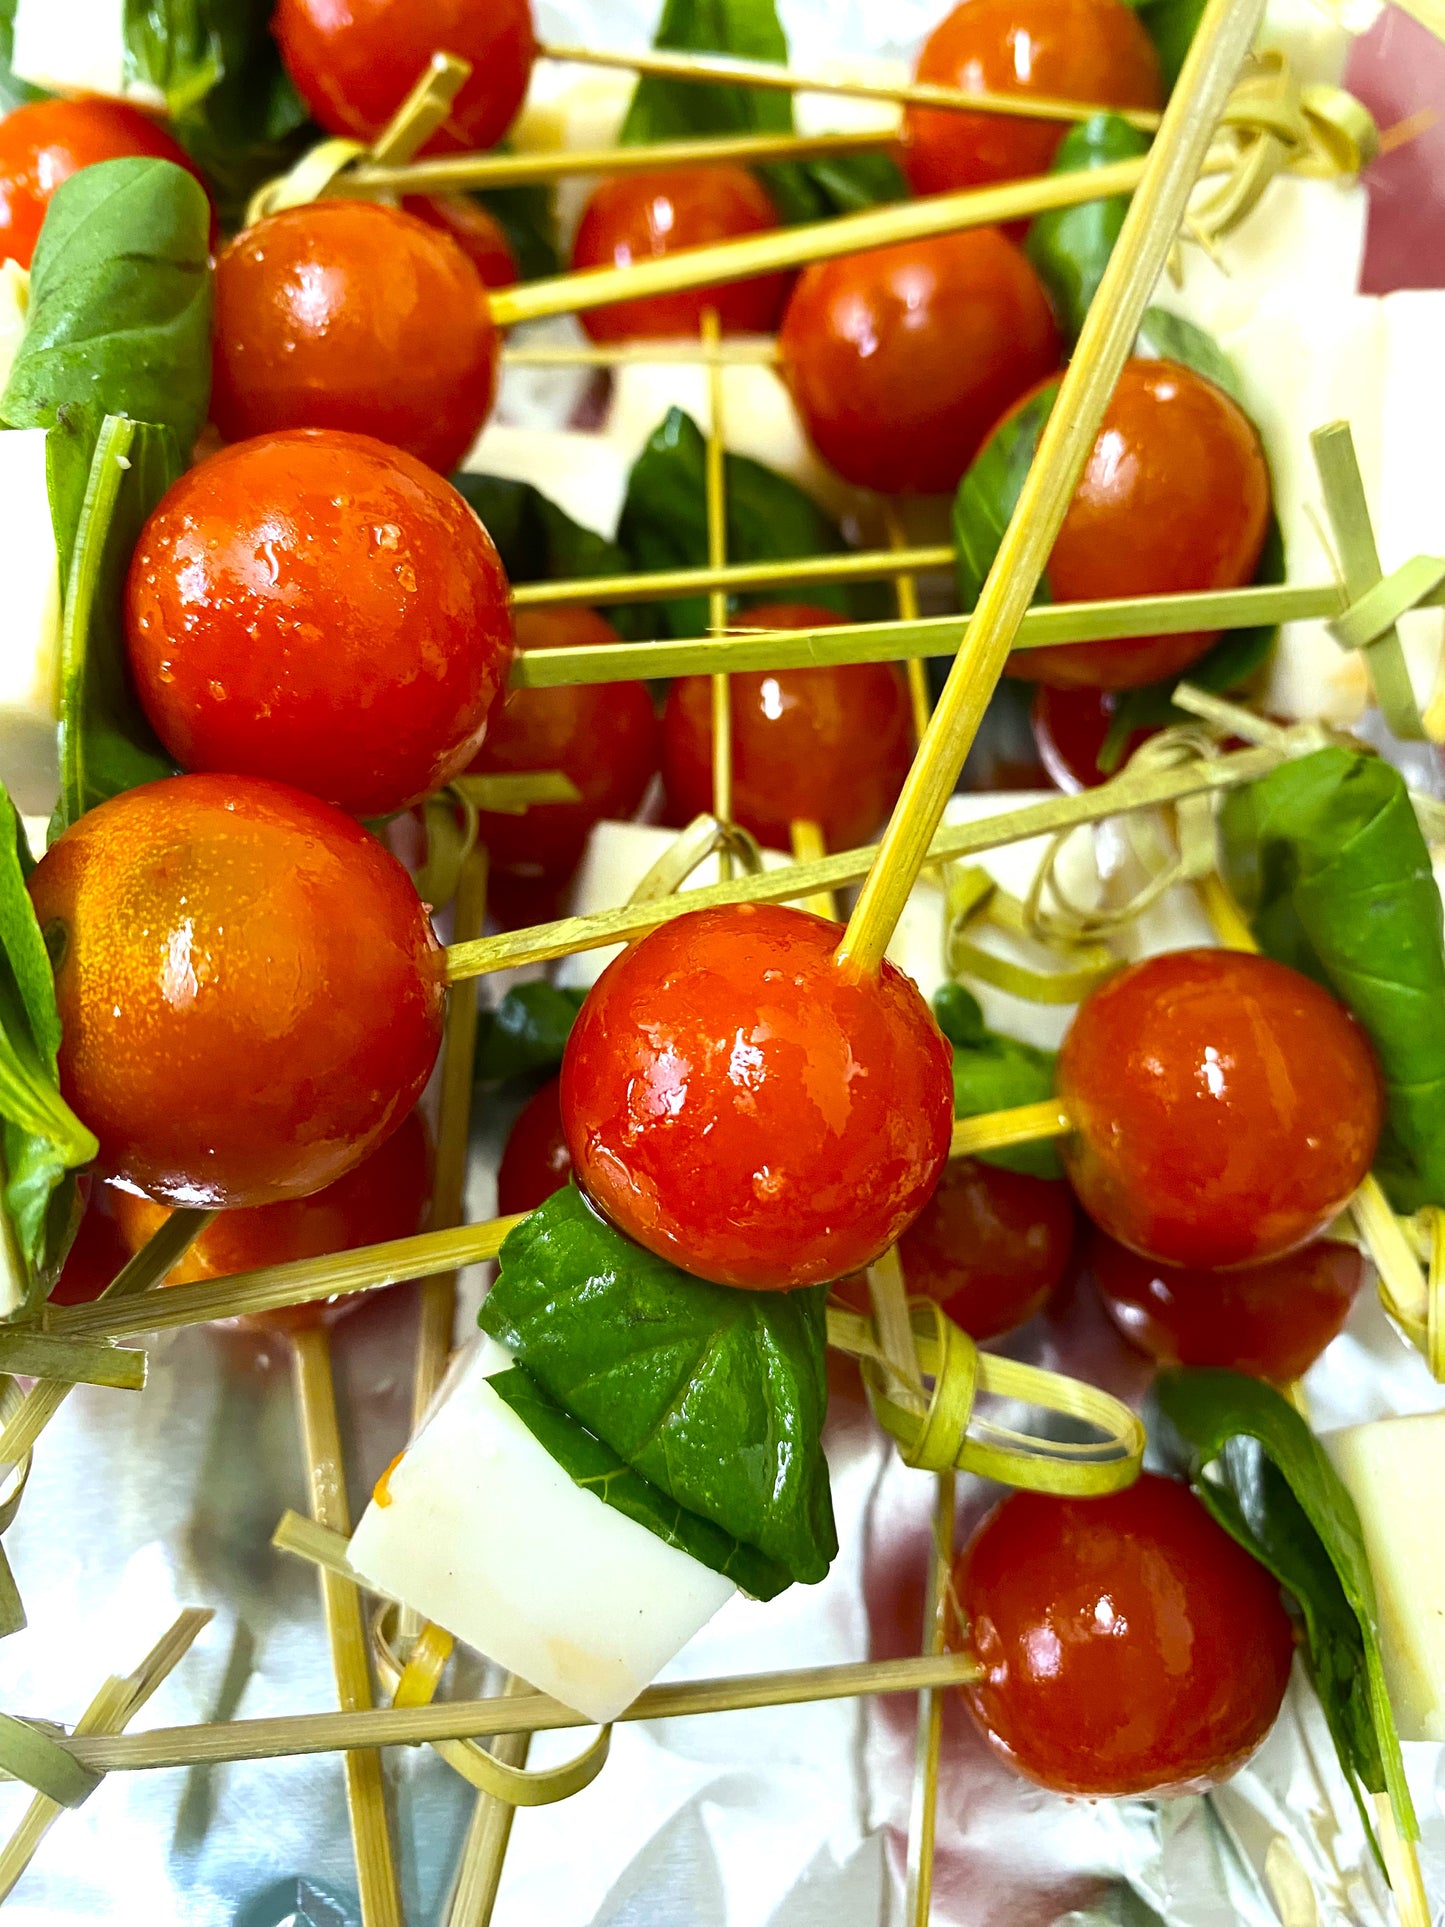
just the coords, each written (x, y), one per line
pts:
(536, 1161)
(1129, 1645)
(1071, 727)
(830, 745)
(640, 217)
(1271, 1320)
(321, 609)
(249, 988)
(1086, 50)
(346, 314)
(902, 359)
(46, 141)
(354, 64)
(1175, 496)
(1225, 1108)
(96, 1256)
(476, 231)
(603, 735)
(741, 1106)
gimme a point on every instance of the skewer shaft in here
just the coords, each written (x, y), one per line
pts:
(922, 1819)
(479, 1876)
(715, 479)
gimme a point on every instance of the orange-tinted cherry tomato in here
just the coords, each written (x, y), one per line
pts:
(96, 1256)
(603, 735)
(536, 1161)
(639, 217)
(832, 745)
(249, 988)
(740, 1105)
(1085, 50)
(1129, 1646)
(344, 314)
(45, 142)
(355, 63)
(1174, 497)
(321, 609)
(901, 360)
(476, 231)
(1071, 727)
(1225, 1108)
(1271, 1320)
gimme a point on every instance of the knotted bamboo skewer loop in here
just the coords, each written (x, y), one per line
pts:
(705, 836)
(971, 896)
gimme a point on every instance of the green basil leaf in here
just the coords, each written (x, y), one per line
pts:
(106, 744)
(1170, 337)
(13, 93)
(989, 492)
(1330, 863)
(1262, 1473)
(995, 1073)
(527, 1032)
(1171, 25)
(588, 1462)
(717, 1396)
(120, 302)
(537, 541)
(527, 215)
(770, 519)
(1070, 246)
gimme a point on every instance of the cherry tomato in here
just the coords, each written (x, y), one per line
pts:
(321, 609)
(343, 314)
(44, 143)
(536, 1161)
(832, 745)
(901, 360)
(1225, 1108)
(603, 735)
(1085, 50)
(478, 233)
(1174, 497)
(96, 1256)
(1129, 1646)
(1271, 1320)
(639, 217)
(1071, 727)
(250, 991)
(354, 64)
(740, 1105)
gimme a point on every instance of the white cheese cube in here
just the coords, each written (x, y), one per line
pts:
(1410, 507)
(1393, 1469)
(30, 639)
(76, 47)
(1315, 38)
(585, 475)
(487, 1536)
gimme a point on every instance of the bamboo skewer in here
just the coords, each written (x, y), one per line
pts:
(808, 847)
(662, 584)
(905, 588)
(479, 1876)
(1218, 51)
(923, 1814)
(741, 351)
(715, 480)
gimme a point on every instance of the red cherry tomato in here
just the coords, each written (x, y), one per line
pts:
(321, 609)
(740, 1105)
(1071, 727)
(343, 314)
(831, 745)
(478, 233)
(1084, 50)
(354, 64)
(603, 735)
(1271, 1320)
(44, 143)
(1225, 1108)
(536, 1161)
(1129, 1646)
(96, 1256)
(250, 991)
(639, 217)
(1174, 497)
(901, 360)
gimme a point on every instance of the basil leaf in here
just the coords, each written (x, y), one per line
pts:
(106, 744)
(1171, 25)
(996, 1073)
(770, 519)
(588, 1462)
(527, 1032)
(989, 492)
(1329, 861)
(1170, 337)
(1070, 246)
(13, 93)
(537, 541)
(527, 215)
(120, 302)
(717, 1396)
(1267, 1480)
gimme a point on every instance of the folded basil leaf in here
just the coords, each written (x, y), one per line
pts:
(1330, 864)
(590, 1463)
(537, 541)
(989, 492)
(716, 1396)
(1267, 1480)
(526, 1033)
(1165, 336)
(106, 744)
(996, 1073)
(1070, 246)
(770, 519)
(120, 302)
